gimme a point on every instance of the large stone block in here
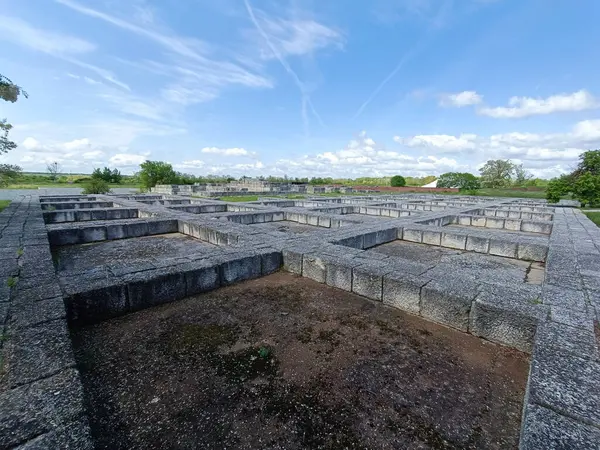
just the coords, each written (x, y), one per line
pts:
(203, 278)
(292, 260)
(504, 248)
(314, 267)
(31, 410)
(367, 280)
(477, 244)
(412, 235)
(507, 315)
(403, 291)
(432, 237)
(448, 301)
(566, 383)
(97, 304)
(543, 428)
(452, 240)
(244, 268)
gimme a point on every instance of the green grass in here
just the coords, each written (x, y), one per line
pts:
(4, 204)
(594, 217)
(240, 198)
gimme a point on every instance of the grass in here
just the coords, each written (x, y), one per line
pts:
(594, 217)
(240, 198)
(4, 204)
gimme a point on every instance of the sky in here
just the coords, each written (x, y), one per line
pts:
(302, 88)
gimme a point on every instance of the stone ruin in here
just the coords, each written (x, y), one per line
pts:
(517, 272)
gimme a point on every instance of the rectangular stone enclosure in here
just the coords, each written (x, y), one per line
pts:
(137, 321)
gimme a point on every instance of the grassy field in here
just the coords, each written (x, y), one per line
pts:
(594, 217)
(4, 204)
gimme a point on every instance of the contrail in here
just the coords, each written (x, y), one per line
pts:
(408, 55)
(305, 97)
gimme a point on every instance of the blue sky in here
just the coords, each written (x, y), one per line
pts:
(302, 87)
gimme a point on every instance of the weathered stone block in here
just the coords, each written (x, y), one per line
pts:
(403, 291)
(367, 280)
(314, 267)
(202, 279)
(452, 240)
(432, 237)
(448, 302)
(503, 248)
(412, 235)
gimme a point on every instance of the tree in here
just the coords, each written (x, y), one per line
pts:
(463, 181)
(8, 173)
(9, 92)
(497, 173)
(107, 175)
(522, 177)
(582, 184)
(398, 181)
(96, 186)
(156, 172)
(53, 170)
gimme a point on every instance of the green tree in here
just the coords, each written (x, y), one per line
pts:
(398, 181)
(463, 181)
(587, 189)
(583, 183)
(97, 174)
(156, 172)
(96, 186)
(497, 173)
(116, 176)
(8, 173)
(9, 92)
(522, 176)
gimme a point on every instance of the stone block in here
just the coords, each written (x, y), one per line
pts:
(448, 302)
(464, 220)
(367, 280)
(432, 237)
(37, 352)
(27, 313)
(93, 234)
(494, 222)
(512, 224)
(97, 304)
(532, 252)
(116, 231)
(565, 383)
(479, 221)
(452, 240)
(292, 260)
(403, 291)
(545, 429)
(244, 268)
(64, 236)
(477, 244)
(507, 315)
(563, 297)
(137, 229)
(339, 272)
(163, 227)
(271, 261)
(203, 278)
(504, 248)
(314, 267)
(31, 410)
(412, 235)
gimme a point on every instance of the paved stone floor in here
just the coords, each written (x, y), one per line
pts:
(516, 272)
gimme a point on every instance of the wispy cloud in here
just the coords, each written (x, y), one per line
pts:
(22, 33)
(196, 76)
(434, 25)
(306, 101)
(528, 106)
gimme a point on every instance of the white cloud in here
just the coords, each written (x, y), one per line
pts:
(77, 144)
(527, 106)
(192, 164)
(20, 32)
(295, 37)
(127, 159)
(227, 151)
(461, 99)
(441, 142)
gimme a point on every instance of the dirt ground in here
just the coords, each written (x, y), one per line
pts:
(283, 362)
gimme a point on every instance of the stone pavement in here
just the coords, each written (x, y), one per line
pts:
(73, 260)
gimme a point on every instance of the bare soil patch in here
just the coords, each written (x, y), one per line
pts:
(286, 363)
